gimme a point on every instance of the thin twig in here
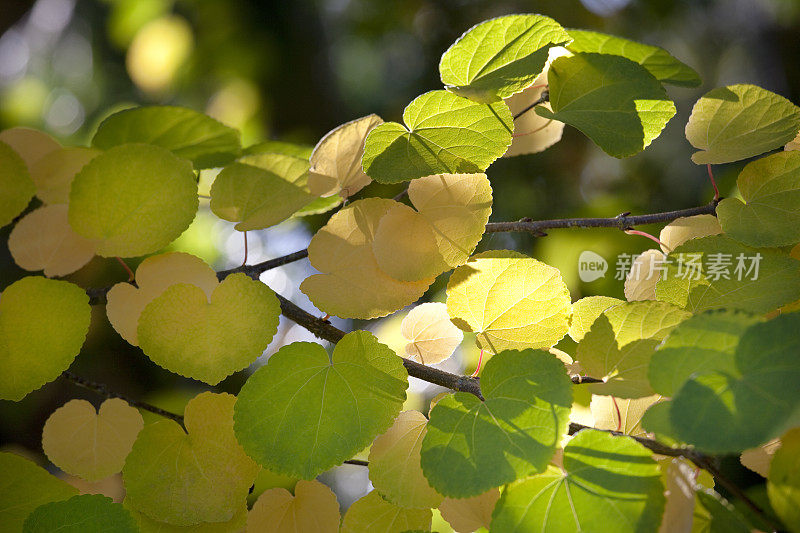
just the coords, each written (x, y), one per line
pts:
(102, 390)
(357, 462)
(544, 97)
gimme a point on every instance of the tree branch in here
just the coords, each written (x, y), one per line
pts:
(544, 97)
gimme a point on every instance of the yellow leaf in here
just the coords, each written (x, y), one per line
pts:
(31, 145)
(405, 247)
(351, 284)
(336, 160)
(640, 283)
(44, 240)
(683, 229)
(394, 463)
(91, 444)
(431, 336)
(510, 301)
(794, 144)
(187, 478)
(618, 414)
(53, 173)
(758, 459)
(468, 514)
(153, 276)
(585, 311)
(312, 508)
(373, 513)
(148, 525)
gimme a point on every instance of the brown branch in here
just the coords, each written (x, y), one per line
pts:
(102, 390)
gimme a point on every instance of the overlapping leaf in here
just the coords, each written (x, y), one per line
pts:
(769, 212)
(614, 101)
(431, 336)
(740, 121)
(185, 132)
(606, 480)
(30, 144)
(470, 514)
(313, 507)
(509, 300)
(640, 283)
(373, 513)
(443, 133)
(656, 60)
(54, 172)
(185, 478)
(620, 343)
(500, 57)
(86, 513)
(44, 240)
(91, 444)
(585, 311)
(473, 445)
(783, 482)
(351, 284)
(683, 229)
(208, 338)
(133, 200)
(623, 415)
(43, 324)
(16, 186)
(304, 412)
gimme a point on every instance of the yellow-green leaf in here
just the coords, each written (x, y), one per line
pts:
(16, 186)
(313, 507)
(373, 513)
(54, 172)
(431, 336)
(783, 482)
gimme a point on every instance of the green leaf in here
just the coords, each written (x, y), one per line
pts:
(585, 311)
(617, 103)
(608, 484)
(302, 151)
(620, 343)
(761, 279)
(133, 200)
(730, 411)
(444, 133)
(473, 445)
(500, 57)
(783, 482)
(305, 412)
(24, 486)
(702, 343)
(188, 333)
(86, 513)
(478, 300)
(188, 134)
(185, 478)
(714, 514)
(373, 513)
(257, 198)
(770, 213)
(656, 60)
(656, 420)
(43, 324)
(740, 121)
(16, 185)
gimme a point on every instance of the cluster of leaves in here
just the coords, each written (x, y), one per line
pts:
(705, 361)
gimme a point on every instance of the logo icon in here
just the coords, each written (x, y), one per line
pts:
(591, 266)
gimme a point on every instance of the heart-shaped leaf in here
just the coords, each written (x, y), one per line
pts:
(443, 133)
(373, 513)
(304, 412)
(209, 338)
(313, 507)
(184, 478)
(43, 324)
(473, 445)
(91, 444)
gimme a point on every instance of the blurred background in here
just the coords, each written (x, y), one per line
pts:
(292, 70)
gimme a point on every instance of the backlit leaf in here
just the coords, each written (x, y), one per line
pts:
(473, 445)
(640, 283)
(236, 524)
(509, 300)
(714, 514)
(431, 336)
(133, 200)
(187, 478)
(208, 338)
(86, 513)
(24, 486)
(351, 284)
(620, 343)
(443, 133)
(758, 459)
(43, 324)
(469, 514)
(740, 121)
(30, 144)
(769, 212)
(623, 415)
(16, 186)
(305, 412)
(336, 160)
(44, 240)
(585, 311)
(373, 513)
(702, 343)
(185, 132)
(313, 507)
(405, 245)
(394, 463)
(783, 482)
(615, 102)
(91, 444)
(606, 480)
(683, 229)
(730, 411)
(656, 60)
(54, 172)
(500, 57)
